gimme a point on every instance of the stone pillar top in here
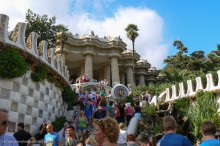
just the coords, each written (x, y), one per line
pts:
(129, 65)
(116, 55)
(88, 52)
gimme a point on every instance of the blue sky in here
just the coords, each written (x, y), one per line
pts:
(194, 22)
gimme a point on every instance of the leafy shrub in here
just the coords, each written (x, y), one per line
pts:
(12, 64)
(148, 110)
(58, 123)
(204, 108)
(40, 73)
(182, 104)
(69, 96)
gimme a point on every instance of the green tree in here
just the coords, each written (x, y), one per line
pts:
(175, 75)
(132, 34)
(213, 58)
(45, 27)
(198, 61)
(178, 61)
(62, 36)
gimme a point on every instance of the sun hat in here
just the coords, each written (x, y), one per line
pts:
(99, 107)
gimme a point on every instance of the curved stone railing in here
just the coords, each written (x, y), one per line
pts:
(40, 52)
(189, 92)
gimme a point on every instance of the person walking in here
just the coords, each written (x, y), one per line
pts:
(171, 138)
(106, 132)
(89, 112)
(81, 123)
(98, 114)
(208, 131)
(23, 137)
(52, 138)
(41, 133)
(71, 140)
(122, 138)
(129, 111)
(5, 139)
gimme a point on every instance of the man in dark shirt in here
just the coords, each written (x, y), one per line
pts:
(99, 114)
(23, 136)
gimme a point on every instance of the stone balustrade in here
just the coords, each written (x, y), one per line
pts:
(27, 101)
(107, 42)
(174, 95)
(41, 52)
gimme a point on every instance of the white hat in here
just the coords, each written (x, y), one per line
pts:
(128, 104)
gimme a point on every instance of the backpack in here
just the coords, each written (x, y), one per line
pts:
(129, 111)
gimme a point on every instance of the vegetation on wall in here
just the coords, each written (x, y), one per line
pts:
(12, 64)
(69, 96)
(58, 123)
(153, 89)
(204, 108)
(39, 73)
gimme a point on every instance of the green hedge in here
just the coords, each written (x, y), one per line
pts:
(40, 73)
(69, 96)
(12, 64)
(58, 123)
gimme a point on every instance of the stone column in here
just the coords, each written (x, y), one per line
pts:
(88, 63)
(88, 66)
(82, 67)
(141, 80)
(114, 67)
(130, 76)
(107, 73)
(64, 58)
(122, 77)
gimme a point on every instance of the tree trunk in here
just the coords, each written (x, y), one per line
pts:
(133, 55)
(133, 63)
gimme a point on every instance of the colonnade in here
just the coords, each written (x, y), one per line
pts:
(109, 70)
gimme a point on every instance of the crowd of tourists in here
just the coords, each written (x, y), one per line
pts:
(101, 120)
(85, 78)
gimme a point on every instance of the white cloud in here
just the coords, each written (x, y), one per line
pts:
(150, 43)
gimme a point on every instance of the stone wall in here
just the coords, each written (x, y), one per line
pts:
(30, 102)
(27, 101)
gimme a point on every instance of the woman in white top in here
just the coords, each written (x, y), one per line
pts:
(122, 138)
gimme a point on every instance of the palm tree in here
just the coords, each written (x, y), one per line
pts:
(132, 34)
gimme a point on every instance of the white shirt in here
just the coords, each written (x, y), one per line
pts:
(122, 137)
(77, 90)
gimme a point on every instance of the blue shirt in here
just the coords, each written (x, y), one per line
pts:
(210, 142)
(173, 139)
(89, 109)
(8, 140)
(52, 139)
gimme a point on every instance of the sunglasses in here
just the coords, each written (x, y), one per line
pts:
(4, 123)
